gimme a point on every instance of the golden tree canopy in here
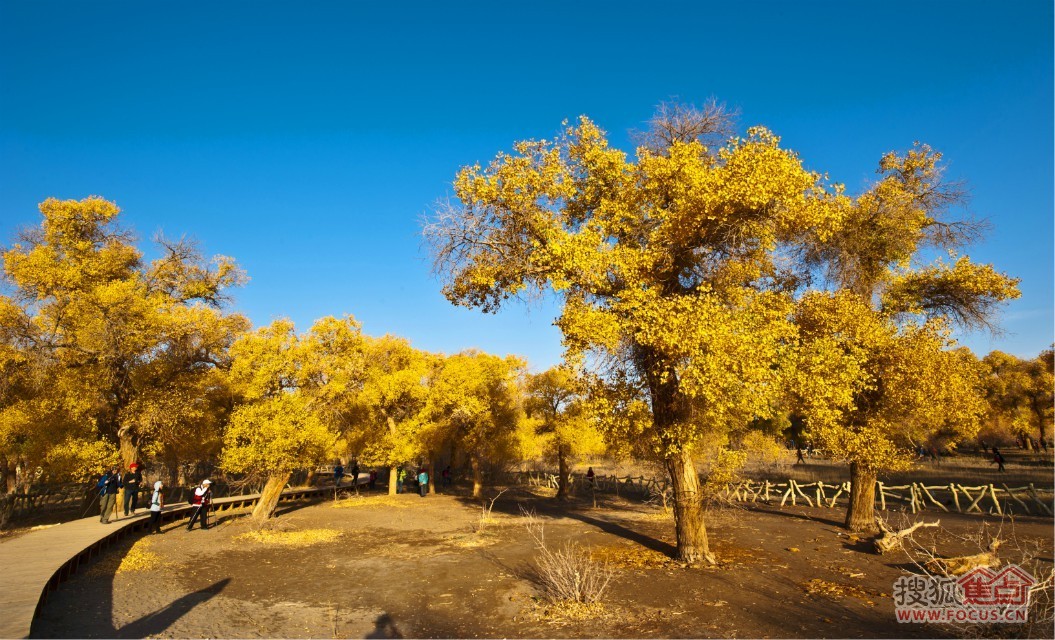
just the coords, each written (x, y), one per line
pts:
(667, 264)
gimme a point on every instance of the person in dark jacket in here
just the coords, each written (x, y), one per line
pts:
(132, 481)
(201, 500)
(109, 486)
(998, 459)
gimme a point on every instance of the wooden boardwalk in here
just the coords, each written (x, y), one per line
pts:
(35, 563)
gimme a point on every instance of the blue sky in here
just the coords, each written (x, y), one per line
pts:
(307, 139)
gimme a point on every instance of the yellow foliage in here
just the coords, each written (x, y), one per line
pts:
(660, 262)
(389, 409)
(98, 340)
(474, 401)
(304, 538)
(872, 389)
(274, 435)
(297, 388)
(371, 502)
(139, 557)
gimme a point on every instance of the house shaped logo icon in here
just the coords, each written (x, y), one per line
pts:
(1009, 587)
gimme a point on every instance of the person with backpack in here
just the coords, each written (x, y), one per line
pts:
(109, 486)
(157, 502)
(132, 480)
(423, 482)
(201, 500)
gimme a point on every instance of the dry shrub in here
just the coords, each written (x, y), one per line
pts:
(568, 574)
(303, 538)
(486, 509)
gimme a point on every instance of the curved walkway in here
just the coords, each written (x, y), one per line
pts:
(35, 563)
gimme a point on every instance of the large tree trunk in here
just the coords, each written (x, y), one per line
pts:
(7, 477)
(860, 515)
(265, 507)
(689, 527)
(128, 444)
(391, 422)
(562, 472)
(478, 480)
(172, 464)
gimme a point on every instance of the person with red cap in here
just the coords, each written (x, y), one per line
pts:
(201, 500)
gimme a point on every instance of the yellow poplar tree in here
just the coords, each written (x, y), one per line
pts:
(474, 402)
(388, 423)
(296, 390)
(555, 399)
(106, 329)
(877, 371)
(665, 265)
(1019, 394)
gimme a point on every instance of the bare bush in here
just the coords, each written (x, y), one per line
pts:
(568, 573)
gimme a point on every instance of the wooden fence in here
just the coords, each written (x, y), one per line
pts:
(914, 497)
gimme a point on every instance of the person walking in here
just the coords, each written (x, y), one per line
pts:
(589, 477)
(201, 500)
(109, 486)
(157, 502)
(423, 482)
(132, 481)
(401, 477)
(338, 473)
(998, 458)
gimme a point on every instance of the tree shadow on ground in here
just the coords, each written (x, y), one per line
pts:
(796, 516)
(162, 619)
(517, 501)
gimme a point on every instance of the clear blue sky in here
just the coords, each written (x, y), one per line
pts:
(306, 139)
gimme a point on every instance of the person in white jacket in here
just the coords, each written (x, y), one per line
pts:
(157, 501)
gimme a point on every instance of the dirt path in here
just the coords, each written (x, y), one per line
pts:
(412, 567)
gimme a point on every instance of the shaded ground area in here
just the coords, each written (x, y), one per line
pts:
(413, 567)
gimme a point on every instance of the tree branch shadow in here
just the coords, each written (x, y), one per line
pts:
(162, 619)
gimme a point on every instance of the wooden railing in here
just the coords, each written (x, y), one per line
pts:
(914, 497)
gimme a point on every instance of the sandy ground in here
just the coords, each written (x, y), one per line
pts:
(413, 567)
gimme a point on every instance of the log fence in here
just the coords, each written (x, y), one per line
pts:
(994, 499)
